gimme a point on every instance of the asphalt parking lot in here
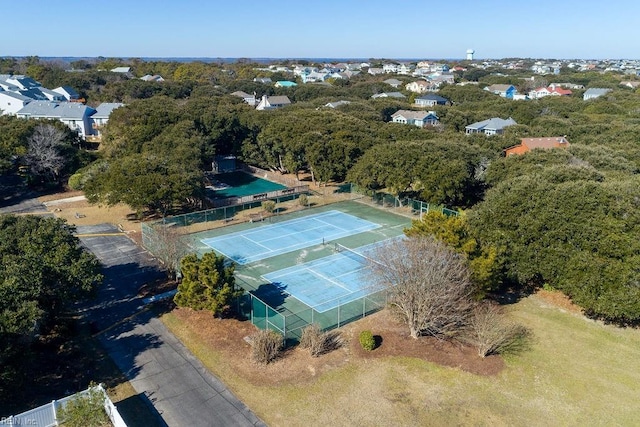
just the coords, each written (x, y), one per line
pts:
(181, 389)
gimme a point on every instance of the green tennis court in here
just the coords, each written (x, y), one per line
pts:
(239, 184)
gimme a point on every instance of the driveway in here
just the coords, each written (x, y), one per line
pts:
(180, 388)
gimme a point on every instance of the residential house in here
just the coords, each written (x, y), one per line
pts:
(528, 144)
(406, 69)
(314, 76)
(100, 118)
(430, 100)
(50, 95)
(505, 91)
(567, 86)
(349, 73)
(249, 99)
(541, 92)
(631, 84)
(124, 70)
(272, 102)
(285, 83)
(152, 78)
(375, 71)
(415, 118)
(390, 68)
(419, 86)
(337, 104)
(442, 78)
(12, 102)
(17, 82)
(493, 126)
(75, 115)
(393, 82)
(263, 80)
(594, 92)
(388, 95)
(68, 93)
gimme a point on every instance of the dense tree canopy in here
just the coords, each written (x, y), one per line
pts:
(156, 148)
(439, 171)
(43, 270)
(579, 236)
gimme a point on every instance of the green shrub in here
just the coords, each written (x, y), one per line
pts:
(266, 346)
(76, 181)
(303, 200)
(85, 411)
(367, 341)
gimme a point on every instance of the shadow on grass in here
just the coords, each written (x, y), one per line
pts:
(377, 339)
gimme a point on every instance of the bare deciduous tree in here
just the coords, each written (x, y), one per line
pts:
(491, 333)
(43, 154)
(428, 285)
(169, 247)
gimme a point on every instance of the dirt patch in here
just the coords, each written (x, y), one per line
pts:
(560, 300)
(83, 213)
(395, 341)
(227, 336)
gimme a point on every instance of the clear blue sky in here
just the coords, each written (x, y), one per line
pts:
(323, 29)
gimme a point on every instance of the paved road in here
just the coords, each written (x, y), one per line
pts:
(182, 391)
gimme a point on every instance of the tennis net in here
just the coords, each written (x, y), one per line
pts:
(355, 255)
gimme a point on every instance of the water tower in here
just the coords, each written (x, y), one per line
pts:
(470, 53)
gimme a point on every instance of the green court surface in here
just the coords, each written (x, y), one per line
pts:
(239, 184)
(270, 307)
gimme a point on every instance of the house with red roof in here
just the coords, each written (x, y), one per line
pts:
(528, 144)
(552, 90)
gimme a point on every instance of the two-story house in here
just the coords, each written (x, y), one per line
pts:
(505, 91)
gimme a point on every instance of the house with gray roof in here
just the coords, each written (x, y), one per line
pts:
(75, 115)
(415, 118)
(393, 82)
(100, 118)
(397, 95)
(493, 126)
(20, 81)
(272, 102)
(337, 104)
(11, 102)
(505, 91)
(430, 100)
(247, 98)
(50, 94)
(594, 92)
(67, 92)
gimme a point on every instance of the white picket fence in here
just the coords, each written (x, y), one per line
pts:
(46, 415)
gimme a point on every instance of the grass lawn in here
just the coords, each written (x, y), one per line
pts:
(577, 372)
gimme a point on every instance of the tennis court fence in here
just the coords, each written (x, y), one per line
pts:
(384, 200)
(291, 324)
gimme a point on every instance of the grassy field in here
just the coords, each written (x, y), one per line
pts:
(576, 372)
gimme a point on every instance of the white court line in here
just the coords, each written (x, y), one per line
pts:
(322, 276)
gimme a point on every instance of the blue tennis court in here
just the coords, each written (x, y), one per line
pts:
(248, 246)
(329, 282)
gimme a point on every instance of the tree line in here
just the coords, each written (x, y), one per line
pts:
(561, 218)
